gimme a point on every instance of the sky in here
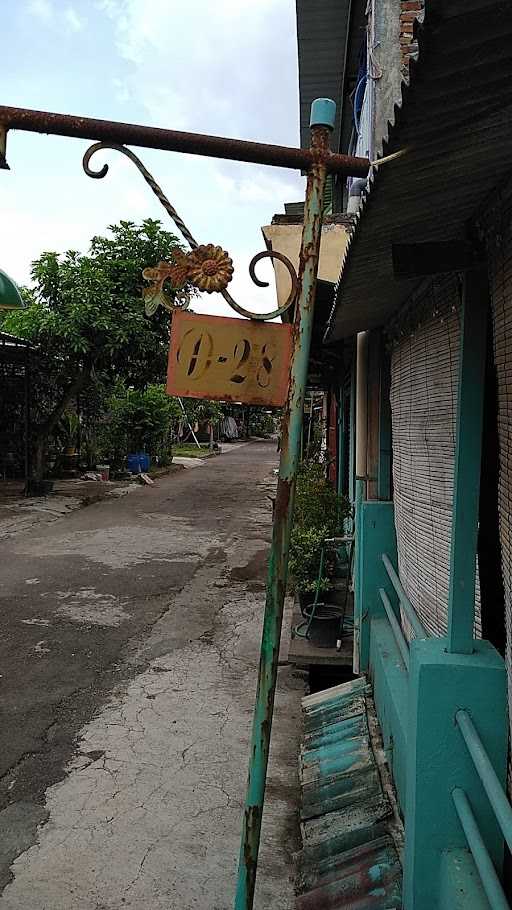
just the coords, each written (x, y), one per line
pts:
(227, 68)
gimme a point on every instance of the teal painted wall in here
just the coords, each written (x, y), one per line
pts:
(376, 536)
(438, 761)
(416, 710)
(390, 692)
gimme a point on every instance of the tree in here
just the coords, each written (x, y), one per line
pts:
(86, 315)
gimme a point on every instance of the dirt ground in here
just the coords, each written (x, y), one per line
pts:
(129, 655)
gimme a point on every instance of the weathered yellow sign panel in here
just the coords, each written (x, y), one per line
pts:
(229, 359)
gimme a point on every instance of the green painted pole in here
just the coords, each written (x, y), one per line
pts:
(358, 603)
(352, 436)
(468, 453)
(322, 121)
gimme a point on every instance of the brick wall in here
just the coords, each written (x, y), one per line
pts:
(409, 11)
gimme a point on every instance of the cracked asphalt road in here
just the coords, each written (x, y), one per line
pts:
(131, 640)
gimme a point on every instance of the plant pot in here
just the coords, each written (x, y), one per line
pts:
(70, 464)
(305, 599)
(324, 632)
(104, 470)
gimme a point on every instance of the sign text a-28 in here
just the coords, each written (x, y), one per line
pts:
(229, 359)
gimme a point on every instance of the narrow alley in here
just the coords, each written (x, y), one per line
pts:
(129, 656)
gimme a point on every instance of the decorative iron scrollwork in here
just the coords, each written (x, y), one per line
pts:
(207, 267)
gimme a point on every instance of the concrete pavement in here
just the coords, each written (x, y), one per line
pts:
(129, 676)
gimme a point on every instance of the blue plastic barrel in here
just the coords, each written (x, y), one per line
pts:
(144, 461)
(133, 462)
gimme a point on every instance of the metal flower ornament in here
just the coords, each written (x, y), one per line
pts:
(210, 268)
(206, 267)
(154, 294)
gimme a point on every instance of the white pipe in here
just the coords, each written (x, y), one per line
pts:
(182, 406)
(362, 405)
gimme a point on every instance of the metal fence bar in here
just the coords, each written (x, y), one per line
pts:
(490, 781)
(405, 603)
(396, 627)
(490, 881)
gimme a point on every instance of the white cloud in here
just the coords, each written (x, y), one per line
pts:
(229, 71)
(45, 11)
(268, 188)
(73, 20)
(233, 66)
(41, 9)
(122, 92)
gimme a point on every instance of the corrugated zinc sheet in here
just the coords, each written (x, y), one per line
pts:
(322, 30)
(349, 859)
(454, 120)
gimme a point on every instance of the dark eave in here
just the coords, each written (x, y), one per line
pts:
(8, 340)
(336, 218)
(454, 119)
(322, 30)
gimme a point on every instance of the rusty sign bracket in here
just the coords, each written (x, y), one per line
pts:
(111, 131)
(155, 295)
(115, 136)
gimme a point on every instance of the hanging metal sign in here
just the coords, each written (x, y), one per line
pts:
(227, 359)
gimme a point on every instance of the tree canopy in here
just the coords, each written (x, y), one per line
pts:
(86, 311)
(86, 315)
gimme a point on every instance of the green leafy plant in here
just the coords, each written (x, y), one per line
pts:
(68, 428)
(319, 514)
(304, 562)
(261, 423)
(86, 315)
(139, 421)
(202, 410)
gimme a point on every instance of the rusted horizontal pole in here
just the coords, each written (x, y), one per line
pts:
(16, 118)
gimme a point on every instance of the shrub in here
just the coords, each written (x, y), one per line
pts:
(319, 514)
(139, 421)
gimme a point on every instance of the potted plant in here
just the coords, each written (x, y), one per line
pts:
(319, 515)
(67, 433)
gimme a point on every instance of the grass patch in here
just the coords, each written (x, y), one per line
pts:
(190, 451)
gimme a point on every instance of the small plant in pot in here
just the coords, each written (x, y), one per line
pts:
(67, 435)
(68, 432)
(319, 514)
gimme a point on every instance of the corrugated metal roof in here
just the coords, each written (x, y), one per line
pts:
(322, 29)
(349, 858)
(7, 338)
(454, 119)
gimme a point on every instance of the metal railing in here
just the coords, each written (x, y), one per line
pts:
(396, 628)
(500, 806)
(408, 610)
(483, 862)
(406, 605)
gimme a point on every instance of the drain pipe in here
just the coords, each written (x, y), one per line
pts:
(362, 408)
(360, 485)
